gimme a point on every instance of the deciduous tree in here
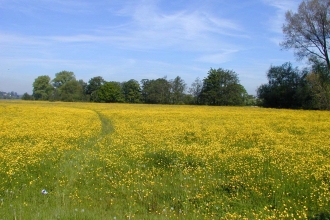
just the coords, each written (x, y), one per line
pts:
(221, 87)
(178, 88)
(308, 30)
(71, 91)
(26, 96)
(156, 91)
(132, 91)
(286, 88)
(42, 89)
(63, 77)
(195, 90)
(319, 82)
(94, 84)
(110, 92)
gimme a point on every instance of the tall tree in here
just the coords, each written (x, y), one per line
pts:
(308, 31)
(71, 91)
(145, 85)
(60, 79)
(178, 87)
(319, 82)
(94, 84)
(110, 92)
(195, 90)
(221, 87)
(286, 88)
(132, 91)
(63, 77)
(42, 89)
(156, 91)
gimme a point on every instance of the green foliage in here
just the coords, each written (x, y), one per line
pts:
(94, 84)
(71, 91)
(110, 92)
(62, 77)
(319, 83)
(286, 88)
(101, 179)
(26, 96)
(42, 89)
(132, 91)
(221, 87)
(195, 90)
(178, 88)
(156, 91)
(321, 216)
(162, 159)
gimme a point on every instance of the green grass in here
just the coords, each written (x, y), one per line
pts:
(106, 180)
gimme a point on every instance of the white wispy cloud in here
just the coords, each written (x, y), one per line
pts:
(149, 27)
(282, 6)
(218, 58)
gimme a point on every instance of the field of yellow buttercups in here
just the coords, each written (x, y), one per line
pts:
(122, 161)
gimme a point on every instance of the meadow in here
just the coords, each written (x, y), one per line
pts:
(122, 161)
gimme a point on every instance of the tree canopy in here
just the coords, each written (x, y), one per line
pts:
(72, 91)
(62, 77)
(42, 89)
(132, 91)
(221, 87)
(319, 83)
(94, 84)
(110, 92)
(286, 88)
(308, 31)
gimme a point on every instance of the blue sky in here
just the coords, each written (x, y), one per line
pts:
(140, 39)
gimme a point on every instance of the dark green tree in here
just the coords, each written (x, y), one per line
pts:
(62, 77)
(83, 85)
(94, 84)
(132, 91)
(145, 84)
(156, 91)
(42, 89)
(286, 88)
(319, 83)
(110, 92)
(71, 91)
(161, 91)
(221, 87)
(27, 96)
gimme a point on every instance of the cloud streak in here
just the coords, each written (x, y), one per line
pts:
(282, 6)
(147, 27)
(218, 58)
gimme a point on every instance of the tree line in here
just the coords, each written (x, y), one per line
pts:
(307, 32)
(289, 87)
(220, 87)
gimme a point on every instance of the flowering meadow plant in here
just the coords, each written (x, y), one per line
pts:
(121, 161)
